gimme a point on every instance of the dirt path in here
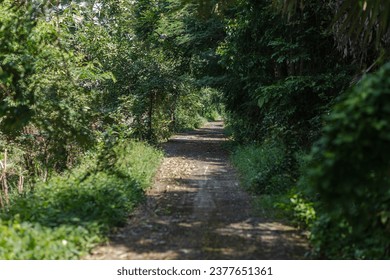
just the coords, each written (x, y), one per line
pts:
(196, 210)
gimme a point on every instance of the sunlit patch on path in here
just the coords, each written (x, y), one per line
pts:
(196, 210)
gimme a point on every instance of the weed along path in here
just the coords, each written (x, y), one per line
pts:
(196, 210)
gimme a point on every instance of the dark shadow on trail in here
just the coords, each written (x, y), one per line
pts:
(196, 210)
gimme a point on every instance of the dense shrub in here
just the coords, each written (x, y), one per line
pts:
(267, 170)
(64, 217)
(30, 241)
(296, 207)
(349, 170)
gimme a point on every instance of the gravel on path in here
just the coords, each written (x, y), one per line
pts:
(196, 210)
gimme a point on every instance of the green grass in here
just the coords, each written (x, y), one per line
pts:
(68, 215)
(265, 170)
(265, 206)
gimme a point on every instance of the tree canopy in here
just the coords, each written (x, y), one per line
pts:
(302, 86)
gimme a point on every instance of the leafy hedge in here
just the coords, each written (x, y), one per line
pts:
(64, 218)
(349, 170)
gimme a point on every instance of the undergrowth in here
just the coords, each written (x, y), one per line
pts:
(264, 168)
(269, 173)
(68, 215)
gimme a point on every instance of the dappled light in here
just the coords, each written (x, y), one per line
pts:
(186, 129)
(196, 210)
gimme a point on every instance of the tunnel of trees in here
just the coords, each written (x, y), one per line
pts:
(88, 89)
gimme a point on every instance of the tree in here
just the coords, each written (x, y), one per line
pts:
(281, 75)
(47, 87)
(361, 28)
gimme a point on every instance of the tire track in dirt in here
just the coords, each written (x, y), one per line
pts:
(196, 210)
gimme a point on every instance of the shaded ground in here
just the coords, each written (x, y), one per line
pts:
(196, 210)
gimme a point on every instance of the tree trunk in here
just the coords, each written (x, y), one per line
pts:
(4, 180)
(150, 115)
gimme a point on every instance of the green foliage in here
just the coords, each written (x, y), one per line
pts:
(349, 169)
(32, 241)
(264, 169)
(150, 48)
(211, 103)
(291, 207)
(71, 74)
(64, 217)
(188, 112)
(267, 170)
(296, 207)
(139, 160)
(359, 26)
(80, 77)
(302, 209)
(195, 107)
(265, 206)
(300, 204)
(280, 75)
(47, 87)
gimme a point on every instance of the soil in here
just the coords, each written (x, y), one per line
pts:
(197, 210)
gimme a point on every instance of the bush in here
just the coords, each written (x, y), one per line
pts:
(78, 207)
(264, 169)
(185, 121)
(349, 170)
(298, 203)
(296, 207)
(280, 196)
(32, 241)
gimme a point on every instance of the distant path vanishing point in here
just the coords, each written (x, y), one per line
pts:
(196, 210)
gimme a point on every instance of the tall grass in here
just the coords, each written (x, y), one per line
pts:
(270, 172)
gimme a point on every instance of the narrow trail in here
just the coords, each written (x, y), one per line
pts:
(196, 210)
